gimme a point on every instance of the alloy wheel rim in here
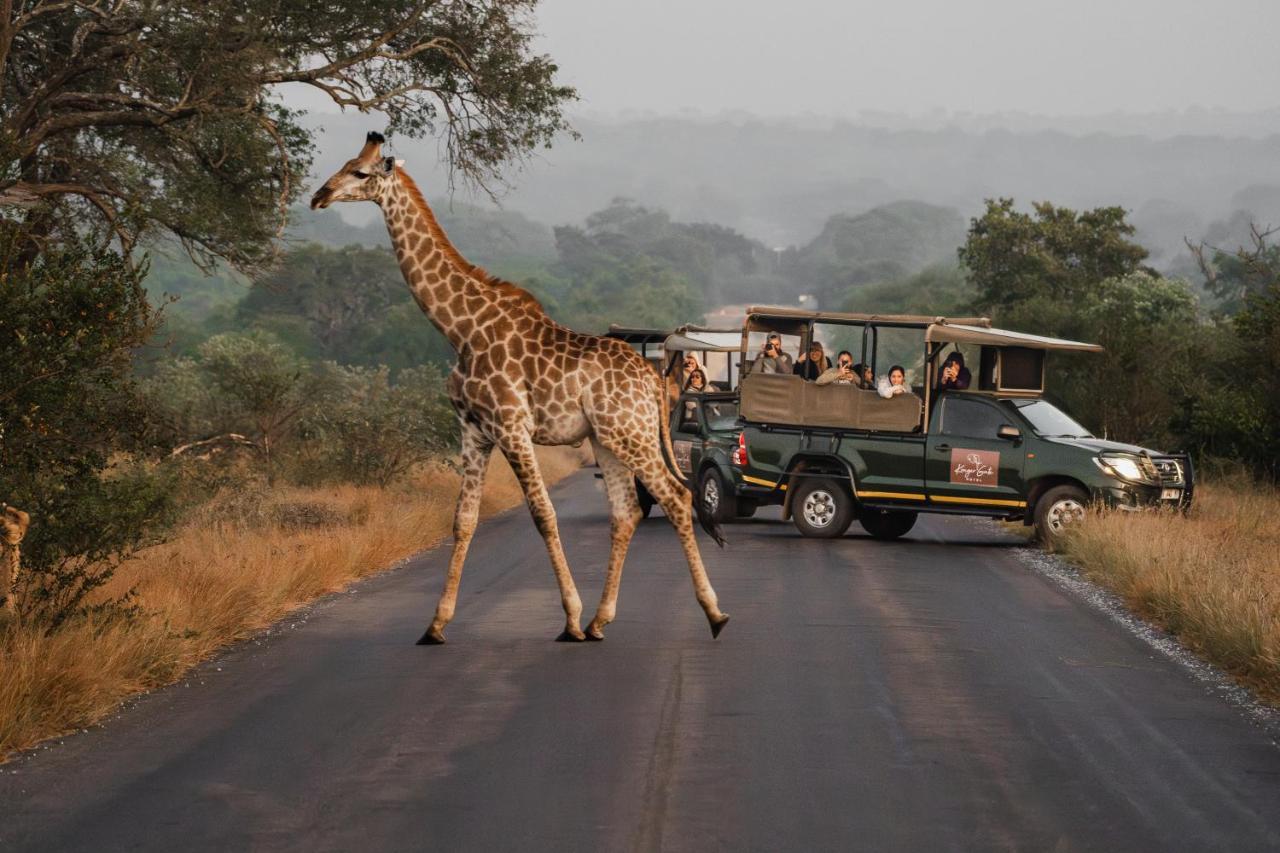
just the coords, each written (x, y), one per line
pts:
(711, 495)
(819, 508)
(1064, 513)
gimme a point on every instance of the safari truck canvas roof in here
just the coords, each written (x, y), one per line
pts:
(704, 340)
(759, 317)
(963, 333)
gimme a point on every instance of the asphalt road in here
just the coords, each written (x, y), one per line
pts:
(930, 694)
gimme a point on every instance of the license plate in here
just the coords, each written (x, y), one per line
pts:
(1170, 494)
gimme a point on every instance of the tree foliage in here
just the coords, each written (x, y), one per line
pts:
(373, 431)
(1055, 252)
(246, 384)
(147, 117)
(68, 324)
(1236, 412)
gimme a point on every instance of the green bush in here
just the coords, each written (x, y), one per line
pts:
(371, 431)
(69, 322)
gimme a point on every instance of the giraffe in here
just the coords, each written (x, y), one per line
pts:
(13, 527)
(522, 380)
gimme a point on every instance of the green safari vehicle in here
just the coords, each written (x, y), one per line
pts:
(830, 454)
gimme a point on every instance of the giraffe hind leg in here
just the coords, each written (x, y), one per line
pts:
(624, 515)
(645, 459)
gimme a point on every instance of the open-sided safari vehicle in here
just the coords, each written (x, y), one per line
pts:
(705, 428)
(838, 452)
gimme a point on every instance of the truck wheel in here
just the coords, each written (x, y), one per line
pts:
(887, 523)
(716, 497)
(646, 499)
(822, 508)
(1058, 509)
(747, 507)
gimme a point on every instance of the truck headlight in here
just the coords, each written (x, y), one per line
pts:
(1121, 467)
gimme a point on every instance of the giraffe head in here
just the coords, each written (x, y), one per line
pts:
(13, 524)
(366, 177)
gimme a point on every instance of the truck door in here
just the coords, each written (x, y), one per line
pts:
(966, 462)
(686, 434)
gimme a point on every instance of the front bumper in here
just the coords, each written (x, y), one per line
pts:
(1176, 488)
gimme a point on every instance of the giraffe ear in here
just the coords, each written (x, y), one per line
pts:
(388, 165)
(399, 162)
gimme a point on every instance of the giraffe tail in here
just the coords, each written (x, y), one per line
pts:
(708, 523)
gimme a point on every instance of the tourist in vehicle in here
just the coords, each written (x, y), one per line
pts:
(954, 376)
(844, 373)
(772, 358)
(868, 379)
(812, 364)
(696, 383)
(893, 383)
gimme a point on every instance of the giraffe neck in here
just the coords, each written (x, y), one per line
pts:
(449, 289)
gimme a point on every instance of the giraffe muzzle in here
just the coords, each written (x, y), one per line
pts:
(320, 199)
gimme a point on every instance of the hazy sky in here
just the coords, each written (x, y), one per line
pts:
(838, 58)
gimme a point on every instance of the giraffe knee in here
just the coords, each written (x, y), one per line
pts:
(624, 524)
(464, 525)
(544, 518)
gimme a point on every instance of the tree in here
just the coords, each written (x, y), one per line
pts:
(1237, 412)
(1058, 253)
(1247, 273)
(68, 324)
(140, 118)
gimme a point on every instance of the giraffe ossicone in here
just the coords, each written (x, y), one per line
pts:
(522, 380)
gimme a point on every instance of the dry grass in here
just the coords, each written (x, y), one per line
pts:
(1212, 579)
(241, 563)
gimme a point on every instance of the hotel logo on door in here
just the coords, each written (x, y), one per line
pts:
(975, 467)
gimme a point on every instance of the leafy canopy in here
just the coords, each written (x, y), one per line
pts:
(140, 117)
(1054, 252)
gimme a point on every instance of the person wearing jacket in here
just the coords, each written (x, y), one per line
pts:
(812, 364)
(893, 383)
(954, 376)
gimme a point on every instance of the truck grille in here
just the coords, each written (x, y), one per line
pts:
(1170, 471)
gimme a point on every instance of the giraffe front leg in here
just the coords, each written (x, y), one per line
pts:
(517, 446)
(476, 449)
(625, 514)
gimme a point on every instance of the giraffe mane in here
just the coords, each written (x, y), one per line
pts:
(451, 252)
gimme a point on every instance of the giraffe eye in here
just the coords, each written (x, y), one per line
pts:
(361, 175)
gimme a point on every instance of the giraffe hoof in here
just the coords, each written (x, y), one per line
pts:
(567, 636)
(718, 625)
(594, 634)
(431, 638)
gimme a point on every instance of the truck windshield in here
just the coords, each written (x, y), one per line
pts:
(1048, 420)
(721, 414)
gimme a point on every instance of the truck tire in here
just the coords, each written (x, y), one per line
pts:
(718, 498)
(646, 499)
(821, 508)
(887, 523)
(1056, 510)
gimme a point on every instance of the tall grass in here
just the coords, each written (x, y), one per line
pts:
(1212, 578)
(240, 563)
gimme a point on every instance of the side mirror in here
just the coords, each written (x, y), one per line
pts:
(1008, 431)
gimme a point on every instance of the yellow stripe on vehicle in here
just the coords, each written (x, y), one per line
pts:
(899, 496)
(983, 501)
(760, 482)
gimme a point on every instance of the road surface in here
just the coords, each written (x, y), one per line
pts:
(930, 694)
